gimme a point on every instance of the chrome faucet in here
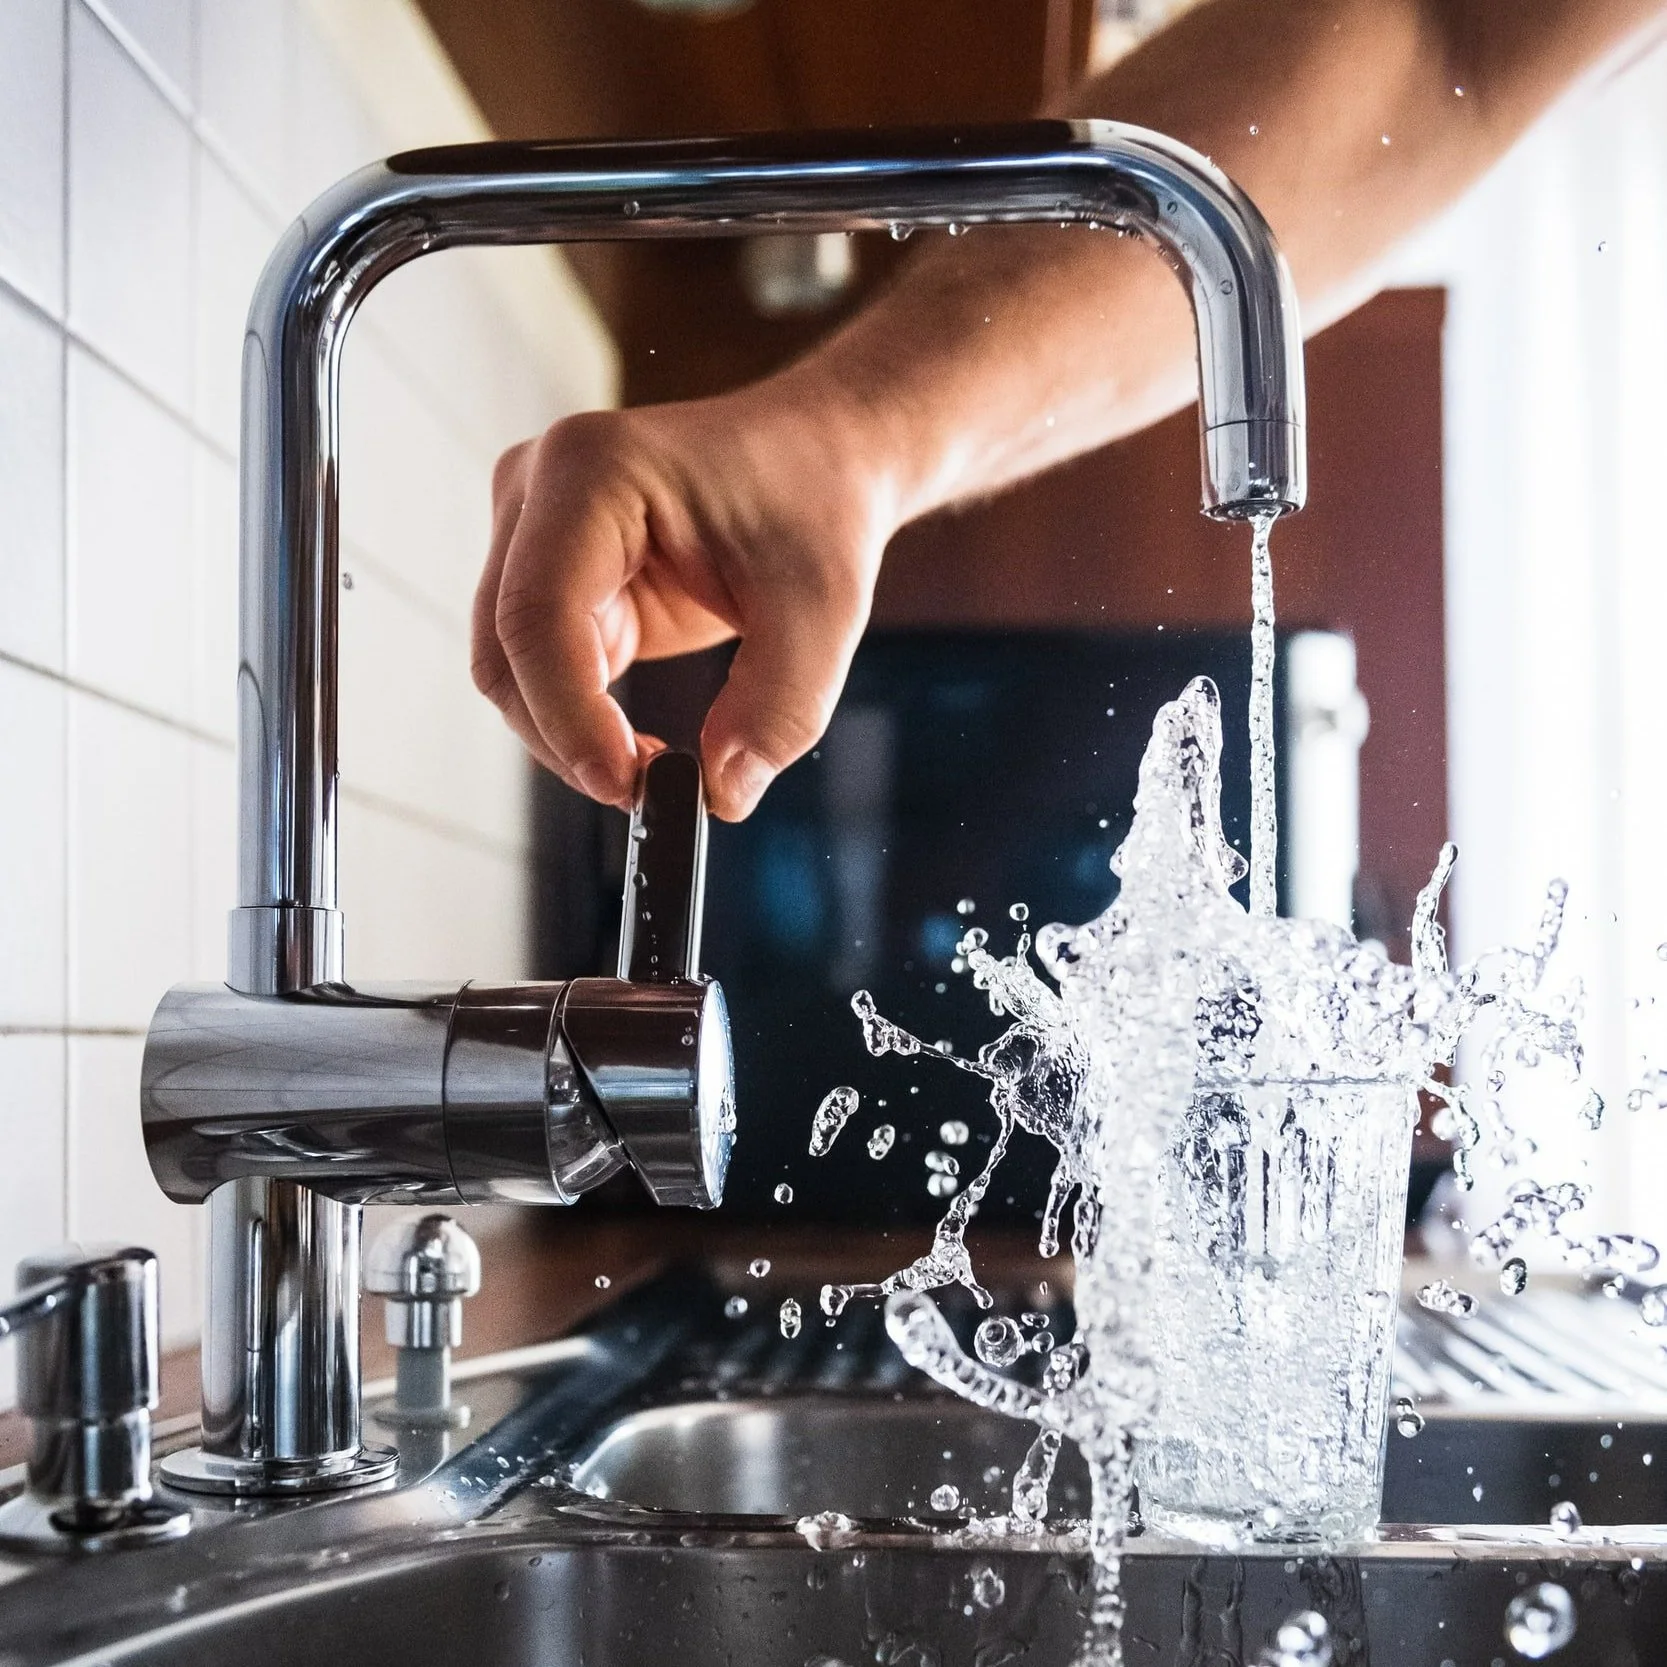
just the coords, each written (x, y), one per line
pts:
(286, 1098)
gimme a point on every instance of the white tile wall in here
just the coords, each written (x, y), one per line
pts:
(31, 483)
(129, 540)
(129, 214)
(31, 1214)
(32, 963)
(32, 157)
(153, 151)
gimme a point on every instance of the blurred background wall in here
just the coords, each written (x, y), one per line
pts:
(1554, 361)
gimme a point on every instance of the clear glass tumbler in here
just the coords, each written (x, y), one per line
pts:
(1275, 1282)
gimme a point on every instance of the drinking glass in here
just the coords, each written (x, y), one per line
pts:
(1275, 1281)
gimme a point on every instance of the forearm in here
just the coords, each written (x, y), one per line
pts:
(1347, 121)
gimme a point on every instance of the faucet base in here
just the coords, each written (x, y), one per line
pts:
(195, 1470)
(34, 1522)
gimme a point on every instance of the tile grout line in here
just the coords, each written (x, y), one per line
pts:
(134, 708)
(456, 833)
(66, 1188)
(183, 107)
(68, 1030)
(73, 338)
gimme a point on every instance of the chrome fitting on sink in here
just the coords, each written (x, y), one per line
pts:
(87, 1379)
(408, 1094)
(424, 1270)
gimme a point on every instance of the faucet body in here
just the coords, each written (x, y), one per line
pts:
(286, 1098)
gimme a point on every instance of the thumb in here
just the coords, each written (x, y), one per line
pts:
(783, 684)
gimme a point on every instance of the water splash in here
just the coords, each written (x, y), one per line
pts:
(836, 1110)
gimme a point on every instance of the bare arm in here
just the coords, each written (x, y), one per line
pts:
(764, 513)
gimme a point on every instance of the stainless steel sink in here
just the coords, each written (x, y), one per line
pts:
(631, 1497)
(872, 1457)
(862, 1455)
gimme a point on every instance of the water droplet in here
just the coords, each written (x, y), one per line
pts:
(631, 208)
(1034, 1477)
(879, 1143)
(826, 1528)
(759, 1266)
(1591, 1109)
(1226, 286)
(946, 1497)
(1019, 912)
(1652, 1307)
(1613, 1287)
(1303, 1640)
(792, 1317)
(1033, 1319)
(942, 1186)
(1441, 1298)
(900, 232)
(783, 1193)
(998, 1341)
(954, 1132)
(1254, 130)
(1065, 1366)
(989, 1590)
(1408, 1420)
(1565, 1519)
(831, 1116)
(942, 1163)
(1540, 1621)
(603, 1282)
(956, 228)
(1042, 1342)
(735, 1308)
(1513, 1277)
(347, 580)
(834, 1299)
(965, 907)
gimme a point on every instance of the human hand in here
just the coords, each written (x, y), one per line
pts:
(624, 535)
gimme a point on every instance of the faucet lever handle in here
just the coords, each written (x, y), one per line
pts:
(665, 873)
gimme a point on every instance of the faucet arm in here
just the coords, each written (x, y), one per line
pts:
(287, 933)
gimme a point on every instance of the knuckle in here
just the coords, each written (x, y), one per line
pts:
(588, 440)
(491, 674)
(788, 726)
(510, 469)
(522, 620)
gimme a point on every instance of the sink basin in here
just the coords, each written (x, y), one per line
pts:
(630, 1498)
(865, 1456)
(873, 1457)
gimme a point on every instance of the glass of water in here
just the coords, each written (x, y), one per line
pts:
(1280, 1216)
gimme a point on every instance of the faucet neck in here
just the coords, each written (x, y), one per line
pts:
(287, 932)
